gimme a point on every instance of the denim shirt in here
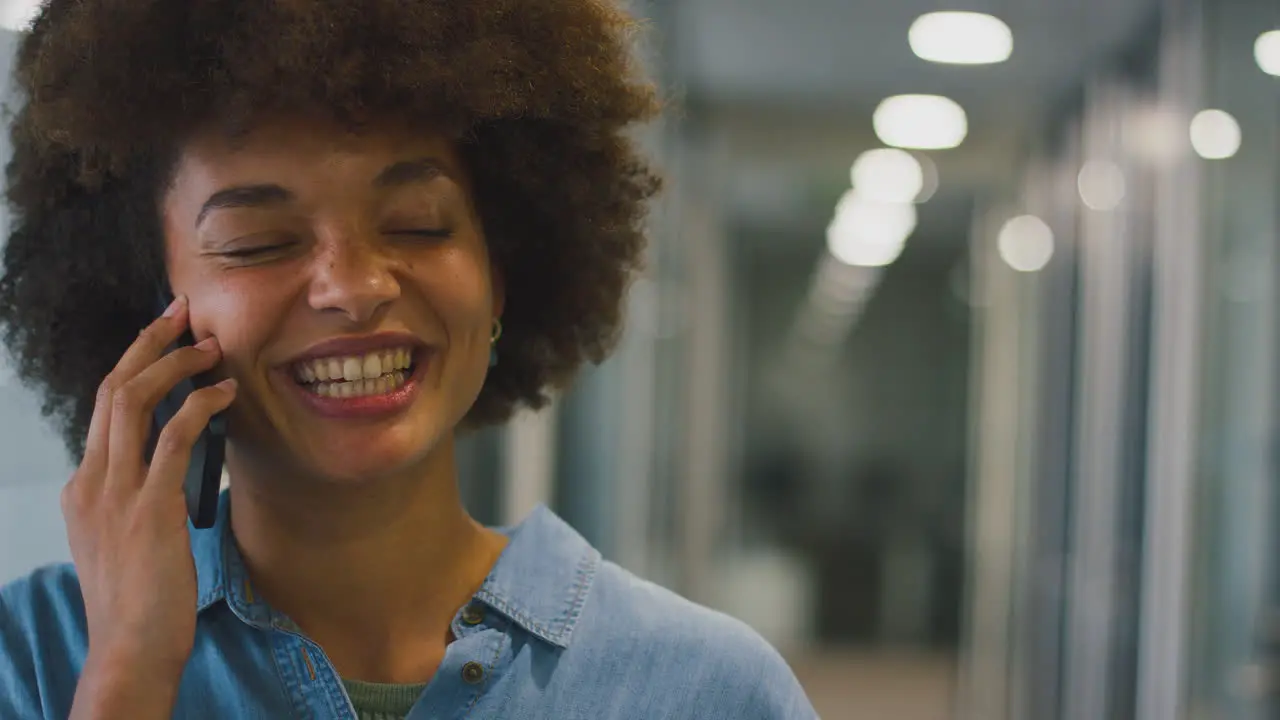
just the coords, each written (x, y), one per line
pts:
(555, 633)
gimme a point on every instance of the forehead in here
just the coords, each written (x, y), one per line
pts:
(284, 145)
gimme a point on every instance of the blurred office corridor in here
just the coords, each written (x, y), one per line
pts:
(953, 368)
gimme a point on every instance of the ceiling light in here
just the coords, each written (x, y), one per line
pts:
(1215, 134)
(960, 38)
(869, 233)
(1025, 243)
(1267, 52)
(888, 175)
(18, 14)
(924, 122)
(1101, 185)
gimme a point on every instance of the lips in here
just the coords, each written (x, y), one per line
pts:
(385, 396)
(359, 376)
(358, 345)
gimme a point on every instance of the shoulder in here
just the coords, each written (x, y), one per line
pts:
(691, 645)
(42, 642)
(47, 601)
(55, 585)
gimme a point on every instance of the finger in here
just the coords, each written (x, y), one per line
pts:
(152, 342)
(141, 353)
(95, 442)
(133, 405)
(173, 450)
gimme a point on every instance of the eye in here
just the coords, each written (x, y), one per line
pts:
(259, 254)
(256, 251)
(428, 233)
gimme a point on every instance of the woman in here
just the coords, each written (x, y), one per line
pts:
(385, 222)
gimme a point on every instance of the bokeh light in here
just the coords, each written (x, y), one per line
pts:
(922, 122)
(888, 175)
(1025, 243)
(1215, 134)
(960, 38)
(869, 233)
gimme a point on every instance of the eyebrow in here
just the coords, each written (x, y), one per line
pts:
(408, 172)
(398, 174)
(243, 197)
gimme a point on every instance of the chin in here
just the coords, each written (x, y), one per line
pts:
(354, 457)
(355, 476)
(369, 469)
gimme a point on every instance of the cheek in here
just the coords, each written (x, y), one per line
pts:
(461, 289)
(241, 316)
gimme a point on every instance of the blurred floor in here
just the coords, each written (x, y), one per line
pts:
(869, 685)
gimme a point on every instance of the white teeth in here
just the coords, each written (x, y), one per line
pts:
(385, 383)
(376, 373)
(351, 369)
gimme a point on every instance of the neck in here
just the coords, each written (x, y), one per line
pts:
(374, 572)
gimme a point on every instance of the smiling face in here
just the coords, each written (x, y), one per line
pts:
(307, 248)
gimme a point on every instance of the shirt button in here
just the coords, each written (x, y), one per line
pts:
(473, 673)
(473, 614)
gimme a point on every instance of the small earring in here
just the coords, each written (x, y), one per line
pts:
(493, 342)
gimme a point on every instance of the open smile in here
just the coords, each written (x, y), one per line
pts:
(366, 377)
(376, 373)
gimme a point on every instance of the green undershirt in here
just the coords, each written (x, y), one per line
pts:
(375, 701)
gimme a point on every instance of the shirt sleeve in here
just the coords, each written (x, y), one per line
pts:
(746, 678)
(41, 644)
(777, 695)
(18, 694)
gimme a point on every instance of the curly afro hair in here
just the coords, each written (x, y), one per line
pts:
(540, 96)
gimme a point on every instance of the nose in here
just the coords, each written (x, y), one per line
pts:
(352, 276)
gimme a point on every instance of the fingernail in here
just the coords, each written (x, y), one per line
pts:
(207, 344)
(228, 384)
(174, 306)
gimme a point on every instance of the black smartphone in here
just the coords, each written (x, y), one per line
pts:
(204, 473)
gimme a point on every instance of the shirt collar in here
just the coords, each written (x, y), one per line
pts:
(540, 582)
(206, 547)
(220, 573)
(542, 578)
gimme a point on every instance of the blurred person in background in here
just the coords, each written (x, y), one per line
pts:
(385, 222)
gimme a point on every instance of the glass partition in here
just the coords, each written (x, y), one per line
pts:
(1235, 614)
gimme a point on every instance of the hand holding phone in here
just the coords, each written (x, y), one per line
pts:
(204, 470)
(127, 518)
